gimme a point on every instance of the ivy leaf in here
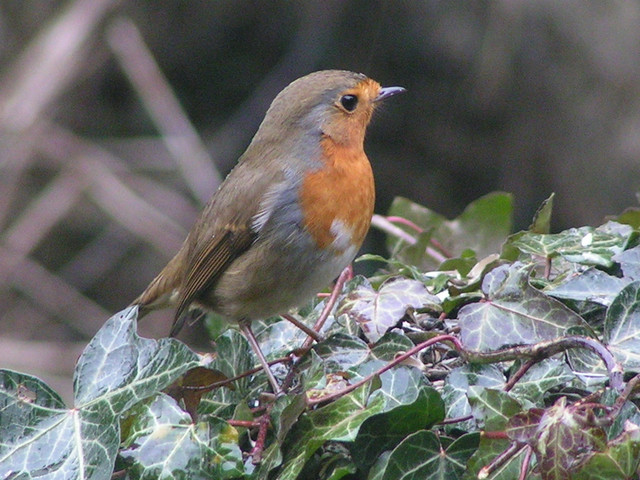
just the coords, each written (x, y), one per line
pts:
(561, 436)
(122, 368)
(482, 227)
(40, 436)
(585, 245)
(385, 430)
(619, 461)
(378, 311)
(592, 285)
(514, 312)
(629, 261)
(542, 377)
(116, 370)
(423, 455)
(542, 218)
(338, 421)
(341, 352)
(492, 407)
(456, 387)
(622, 327)
(163, 442)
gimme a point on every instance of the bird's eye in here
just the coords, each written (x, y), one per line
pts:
(349, 102)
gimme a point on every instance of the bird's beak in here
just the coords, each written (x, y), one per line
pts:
(386, 92)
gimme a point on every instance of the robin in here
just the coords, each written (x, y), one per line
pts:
(289, 217)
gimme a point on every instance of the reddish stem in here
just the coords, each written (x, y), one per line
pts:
(450, 421)
(243, 423)
(258, 448)
(524, 368)
(405, 221)
(399, 359)
(526, 461)
(499, 435)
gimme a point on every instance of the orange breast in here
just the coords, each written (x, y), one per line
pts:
(342, 190)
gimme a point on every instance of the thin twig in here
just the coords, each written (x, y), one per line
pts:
(55, 296)
(298, 324)
(165, 110)
(399, 359)
(524, 368)
(264, 422)
(38, 218)
(500, 460)
(111, 194)
(551, 347)
(450, 421)
(405, 221)
(526, 461)
(386, 226)
(243, 423)
(383, 223)
(49, 63)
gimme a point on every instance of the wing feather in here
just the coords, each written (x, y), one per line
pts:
(208, 264)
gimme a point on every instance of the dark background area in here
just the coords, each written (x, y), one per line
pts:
(102, 173)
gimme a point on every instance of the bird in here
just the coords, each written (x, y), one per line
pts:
(288, 218)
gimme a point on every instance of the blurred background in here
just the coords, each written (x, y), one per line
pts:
(118, 118)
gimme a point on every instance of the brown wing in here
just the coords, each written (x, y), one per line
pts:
(224, 231)
(208, 264)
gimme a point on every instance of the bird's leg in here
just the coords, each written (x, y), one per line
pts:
(245, 326)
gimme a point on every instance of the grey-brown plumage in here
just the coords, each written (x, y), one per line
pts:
(289, 217)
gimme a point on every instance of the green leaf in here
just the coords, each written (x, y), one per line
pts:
(628, 413)
(378, 311)
(335, 466)
(514, 312)
(338, 421)
(542, 218)
(587, 366)
(423, 456)
(390, 345)
(341, 352)
(592, 285)
(492, 407)
(630, 263)
(38, 435)
(123, 368)
(385, 430)
(622, 327)
(380, 467)
(540, 378)
(585, 245)
(116, 370)
(457, 383)
(482, 227)
(164, 442)
(619, 461)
